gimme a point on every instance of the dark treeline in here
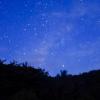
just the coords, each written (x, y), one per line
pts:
(22, 82)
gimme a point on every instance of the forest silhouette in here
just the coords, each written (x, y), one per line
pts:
(23, 82)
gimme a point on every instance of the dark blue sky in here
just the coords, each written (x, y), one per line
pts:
(51, 34)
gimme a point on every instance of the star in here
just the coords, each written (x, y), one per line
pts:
(24, 29)
(63, 65)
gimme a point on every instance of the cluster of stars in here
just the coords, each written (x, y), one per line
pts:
(52, 34)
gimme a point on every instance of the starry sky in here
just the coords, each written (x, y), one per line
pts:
(51, 34)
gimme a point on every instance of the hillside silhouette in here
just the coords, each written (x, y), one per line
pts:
(23, 82)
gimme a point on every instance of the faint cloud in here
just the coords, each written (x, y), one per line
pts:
(3, 49)
(78, 10)
(86, 49)
(42, 52)
(59, 14)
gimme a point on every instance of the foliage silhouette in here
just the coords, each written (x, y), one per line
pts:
(23, 82)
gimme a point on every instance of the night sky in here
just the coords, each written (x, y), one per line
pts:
(51, 34)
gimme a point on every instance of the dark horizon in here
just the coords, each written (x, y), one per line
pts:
(26, 64)
(26, 83)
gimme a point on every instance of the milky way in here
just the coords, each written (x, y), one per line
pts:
(52, 34)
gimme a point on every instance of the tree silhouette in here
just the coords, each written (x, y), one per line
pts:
(63, 73)
(23, 82)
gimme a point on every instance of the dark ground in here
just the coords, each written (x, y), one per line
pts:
(22, 82)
